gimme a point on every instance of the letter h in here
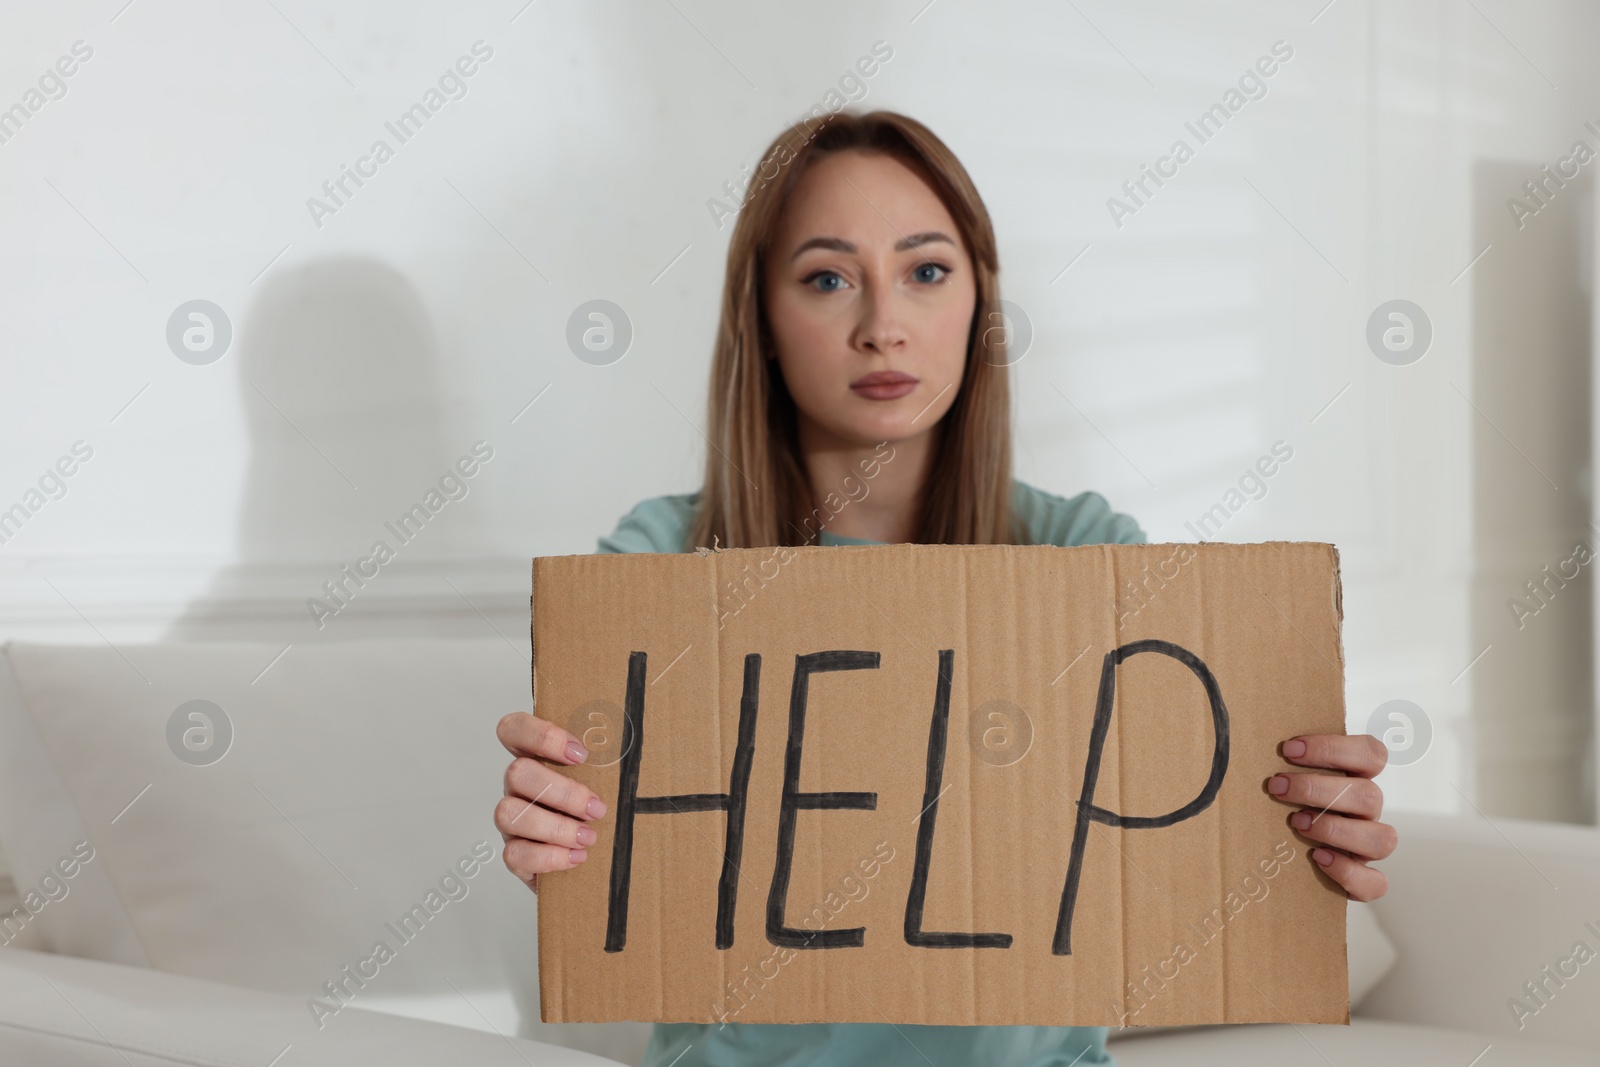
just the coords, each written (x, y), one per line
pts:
(630, 804)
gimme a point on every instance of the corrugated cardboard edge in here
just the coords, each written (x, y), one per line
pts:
(551, 983)
(1338, 620)
(533, 648)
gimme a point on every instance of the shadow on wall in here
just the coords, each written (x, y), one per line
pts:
(340, 380)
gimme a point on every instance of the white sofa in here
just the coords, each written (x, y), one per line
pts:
(70, 1012)
(1475, 909)
(209, 903)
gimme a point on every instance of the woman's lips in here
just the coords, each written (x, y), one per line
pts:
(883, 386)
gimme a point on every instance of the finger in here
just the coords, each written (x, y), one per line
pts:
(515, 817)
(1359, 837)
(528, 858)
(1361, 882)
(1360, 754)
(532, 780)
(1329, 792)
(528, 735)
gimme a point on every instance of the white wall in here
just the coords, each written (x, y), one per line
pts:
(372, 351)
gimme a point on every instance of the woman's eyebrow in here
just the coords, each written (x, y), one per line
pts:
(840, 245)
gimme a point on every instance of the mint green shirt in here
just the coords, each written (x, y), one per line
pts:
(661, 524)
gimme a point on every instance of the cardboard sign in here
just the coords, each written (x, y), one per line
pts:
(942, 784)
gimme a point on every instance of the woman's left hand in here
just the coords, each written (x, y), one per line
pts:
(1355, 836)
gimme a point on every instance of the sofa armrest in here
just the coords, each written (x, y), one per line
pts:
(1478, 910)
(72, 1012)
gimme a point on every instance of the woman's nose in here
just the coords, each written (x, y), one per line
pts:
(882, 326)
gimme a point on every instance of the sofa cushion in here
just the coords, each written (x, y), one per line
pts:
(1480, 909)
(358, 787)
(1364, 1041)
(1369, 953)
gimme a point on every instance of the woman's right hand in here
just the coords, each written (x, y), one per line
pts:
(543, 815)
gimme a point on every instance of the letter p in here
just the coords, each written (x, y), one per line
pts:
(1088, 811)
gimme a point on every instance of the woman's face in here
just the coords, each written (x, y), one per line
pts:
(867, 279)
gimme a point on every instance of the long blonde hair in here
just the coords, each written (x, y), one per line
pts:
(756, 493)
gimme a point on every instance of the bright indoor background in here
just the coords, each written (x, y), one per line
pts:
(374, 346)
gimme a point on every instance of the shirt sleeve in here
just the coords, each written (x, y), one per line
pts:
(659, 524)
(1086, 519)
(1125, 530)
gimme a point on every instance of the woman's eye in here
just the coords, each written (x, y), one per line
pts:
(825, 276)
(926, 272)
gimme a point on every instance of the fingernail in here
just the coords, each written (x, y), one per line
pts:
(596, 808)
(1294, 749)
(1322, 856)
(578, 855)
(1277, 785)
(576, 752)
(1301, 820)
(586, 836)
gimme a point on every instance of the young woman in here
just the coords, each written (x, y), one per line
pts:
(858, 334)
